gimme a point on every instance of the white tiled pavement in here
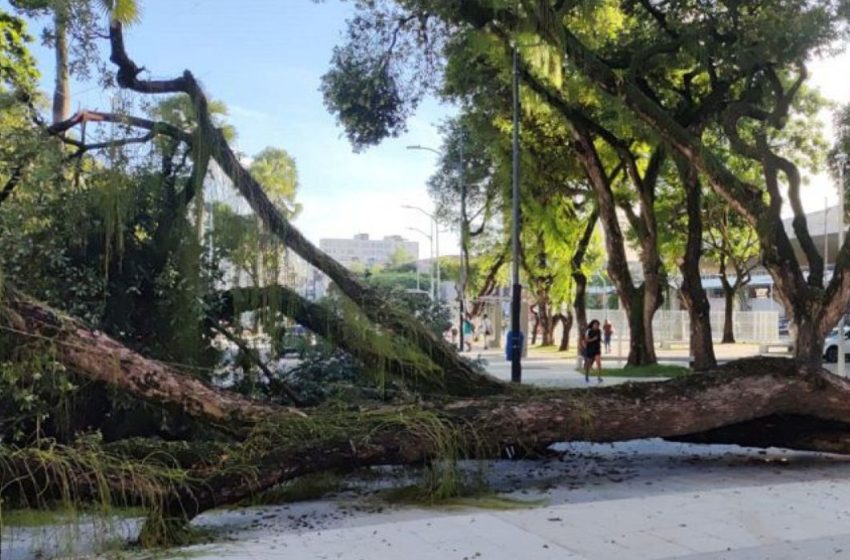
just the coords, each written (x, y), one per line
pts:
(638, 500)
(807, 520)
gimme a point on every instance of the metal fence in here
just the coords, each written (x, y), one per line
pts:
(674, 326)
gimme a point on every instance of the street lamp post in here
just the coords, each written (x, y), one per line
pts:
(431, 276)
(841, 159)
(515, 342)
(436, 254)
(461, 269)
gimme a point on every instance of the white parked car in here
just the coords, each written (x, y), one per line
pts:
(830, 345)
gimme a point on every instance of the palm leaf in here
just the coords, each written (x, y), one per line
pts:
(123, 11)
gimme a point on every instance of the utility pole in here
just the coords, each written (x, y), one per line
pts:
(516, 341)
(842, 161)
(461, 291)
(437, 256)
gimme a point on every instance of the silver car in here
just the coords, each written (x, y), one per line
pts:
(830, 345)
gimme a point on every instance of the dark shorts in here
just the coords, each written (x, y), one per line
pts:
(590, 353)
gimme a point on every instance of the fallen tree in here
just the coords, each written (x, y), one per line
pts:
(757, 402)
(460, 377)
(378, 353)
(97, 357)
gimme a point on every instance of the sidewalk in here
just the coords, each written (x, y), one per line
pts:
(637, 500)
(547, 367)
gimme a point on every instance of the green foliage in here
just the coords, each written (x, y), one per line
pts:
(124, 11)
(275, 170)
(17, 68)
(655, 370)
(399, 290)
(375, 81)
(365, 97)
(82, 473)
(303, 489)
(36, 399)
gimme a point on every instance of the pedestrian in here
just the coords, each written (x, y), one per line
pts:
(454, 335)
(468, 330)
(487, 327)
(607, 332)
(593, 351)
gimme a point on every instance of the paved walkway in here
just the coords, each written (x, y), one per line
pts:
(549, 368)
(800, 521)
(639, 500)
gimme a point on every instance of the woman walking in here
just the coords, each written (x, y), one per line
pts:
(593, 351)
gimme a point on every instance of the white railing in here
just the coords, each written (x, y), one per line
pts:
(674, 326)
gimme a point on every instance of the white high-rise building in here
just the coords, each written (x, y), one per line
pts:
(369, 252)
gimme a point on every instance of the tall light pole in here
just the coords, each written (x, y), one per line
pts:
(462, 272)
(516, 290)
(431, 276)
(461, 269)
(436, 254)
(841, 159)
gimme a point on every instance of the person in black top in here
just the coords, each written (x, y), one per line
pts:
(593, 351)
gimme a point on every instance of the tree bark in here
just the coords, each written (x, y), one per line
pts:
(535, 327)
(490, 282)
(566, 327)
(580, 307)
(696, 300)
(638, 307)
(95, 356)
(640, 350)
(62, 82)
(729, 314)
(700, 407)
(287, 444)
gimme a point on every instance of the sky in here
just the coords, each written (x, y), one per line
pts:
(265, 59)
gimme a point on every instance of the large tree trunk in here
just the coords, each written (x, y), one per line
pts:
(287, 443)
(566, 327)
(95, 356)
(580, 306)
(729, 314)
(756, 394)
(535, 326)
(637, 306)
(641, 352)
(62, 83)
(580, 297)
(547, 326)
(699, 311)
(808, 344)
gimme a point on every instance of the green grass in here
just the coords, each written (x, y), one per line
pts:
(658, 370)
(479, 499)
(44, 517)
(303, 489)
(553, 349)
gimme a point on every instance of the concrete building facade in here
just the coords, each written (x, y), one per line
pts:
(360, 250)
